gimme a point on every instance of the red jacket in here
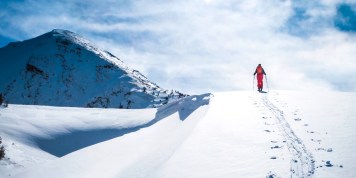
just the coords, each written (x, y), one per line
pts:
(259, 70)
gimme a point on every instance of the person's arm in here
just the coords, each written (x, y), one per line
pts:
(255, 72)
(263, 71)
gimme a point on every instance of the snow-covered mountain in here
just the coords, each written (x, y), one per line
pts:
(227, 134)
(61, 68)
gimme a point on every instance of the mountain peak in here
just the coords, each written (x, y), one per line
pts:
(61, 68)
(61, 31)
(65, 33)
(71, 36)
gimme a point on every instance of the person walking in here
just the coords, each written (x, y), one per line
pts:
(260, 72)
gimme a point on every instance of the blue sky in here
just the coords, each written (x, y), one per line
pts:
(202, 46)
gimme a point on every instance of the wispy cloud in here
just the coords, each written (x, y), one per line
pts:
(206, 45)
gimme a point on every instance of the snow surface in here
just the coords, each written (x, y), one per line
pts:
(227, 134)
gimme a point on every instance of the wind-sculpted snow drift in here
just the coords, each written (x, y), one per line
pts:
(61, 68)
(74, 137)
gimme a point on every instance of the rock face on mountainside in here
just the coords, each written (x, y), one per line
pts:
(60, 68)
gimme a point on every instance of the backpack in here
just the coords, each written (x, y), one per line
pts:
(259, 70)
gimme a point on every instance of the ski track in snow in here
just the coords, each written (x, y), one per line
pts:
(302, 163)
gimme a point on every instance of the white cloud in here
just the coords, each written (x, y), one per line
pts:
(205, 45)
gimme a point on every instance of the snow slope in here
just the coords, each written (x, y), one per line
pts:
(234, 134)
(61, 68)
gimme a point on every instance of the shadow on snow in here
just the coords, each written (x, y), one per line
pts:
(64, 144)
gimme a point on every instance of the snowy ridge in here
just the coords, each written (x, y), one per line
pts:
(86, 127)
(61, 68)
(73, 37)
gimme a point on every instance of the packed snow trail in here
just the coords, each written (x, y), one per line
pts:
(302, 163)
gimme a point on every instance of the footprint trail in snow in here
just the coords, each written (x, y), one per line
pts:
(302, 163)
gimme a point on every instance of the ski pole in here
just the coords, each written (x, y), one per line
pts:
(267, 83)
(253, 84)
